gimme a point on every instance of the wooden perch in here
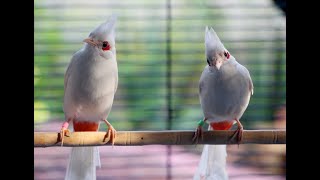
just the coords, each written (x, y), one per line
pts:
(139, 138)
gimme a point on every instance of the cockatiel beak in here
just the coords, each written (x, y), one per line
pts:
(218, 63)
(90, 41)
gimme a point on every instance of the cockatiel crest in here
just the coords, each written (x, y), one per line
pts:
(103, 37)
(216, 53)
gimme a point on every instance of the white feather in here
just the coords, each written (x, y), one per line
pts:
(212, 43)
(105, 31)
(82, 163)
(212, 165)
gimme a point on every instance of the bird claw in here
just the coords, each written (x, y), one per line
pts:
(197, 134)
(64, 132)
(238, 133)
(110, 133)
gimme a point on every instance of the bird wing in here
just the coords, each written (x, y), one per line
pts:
(69, 71)
(246, 73)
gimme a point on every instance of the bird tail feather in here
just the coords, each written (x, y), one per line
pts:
(212, 165)
(82, 163)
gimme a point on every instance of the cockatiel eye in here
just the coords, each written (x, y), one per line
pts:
(226, 54)
(105, 46)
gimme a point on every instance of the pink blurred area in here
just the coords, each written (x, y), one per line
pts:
(150, 162)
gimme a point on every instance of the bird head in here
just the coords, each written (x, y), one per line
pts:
(102, 38)
(216, 53)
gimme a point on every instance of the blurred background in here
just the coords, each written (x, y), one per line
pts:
(160, 54)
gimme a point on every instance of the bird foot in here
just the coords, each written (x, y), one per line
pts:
(110, 133)
(64, 132)
(199, 132)
(238, 133)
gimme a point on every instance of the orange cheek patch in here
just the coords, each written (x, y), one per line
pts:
(224, 125)
(85, 126)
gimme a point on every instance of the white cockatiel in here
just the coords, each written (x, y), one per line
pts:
(90, 84)
(225, 89)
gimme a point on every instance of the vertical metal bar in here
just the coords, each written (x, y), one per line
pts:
(169, 87)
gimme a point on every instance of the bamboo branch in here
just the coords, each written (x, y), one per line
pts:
(139, 138)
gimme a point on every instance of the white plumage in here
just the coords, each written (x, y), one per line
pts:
(225, 88)
(212, 165)
(91, 82)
